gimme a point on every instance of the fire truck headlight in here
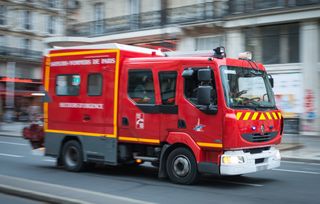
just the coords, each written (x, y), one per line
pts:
(228, 159)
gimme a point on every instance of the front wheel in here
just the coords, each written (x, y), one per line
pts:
(182, 166)
(72, 156)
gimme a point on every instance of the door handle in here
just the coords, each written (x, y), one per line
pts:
(125, 121)
(182, 124)
(86, 117)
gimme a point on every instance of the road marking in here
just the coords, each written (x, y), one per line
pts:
(14, 143)
(239, 183)
(296, 162)
(11, 155)
(106, 196)
(296, 171)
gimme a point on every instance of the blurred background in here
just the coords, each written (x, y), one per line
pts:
(282, 34)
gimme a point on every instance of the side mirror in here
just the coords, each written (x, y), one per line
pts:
(204, 95)
(204, 75)
(271, 80)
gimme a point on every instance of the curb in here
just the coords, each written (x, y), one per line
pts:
(297, 159)
(291, 146)
(42, 197)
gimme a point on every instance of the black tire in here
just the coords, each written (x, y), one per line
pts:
(72, 156)
(182, 166)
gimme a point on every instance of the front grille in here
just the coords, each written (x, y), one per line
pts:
(259, 161)
(258, 137)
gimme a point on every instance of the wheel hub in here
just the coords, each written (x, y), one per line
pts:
(181, 166)
(72, 156)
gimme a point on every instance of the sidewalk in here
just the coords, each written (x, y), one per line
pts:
(13, 129)
(293, 147)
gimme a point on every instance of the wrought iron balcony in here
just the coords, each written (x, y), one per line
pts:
(255, 6)
(197, 13)
(147, 20)
(26, 54)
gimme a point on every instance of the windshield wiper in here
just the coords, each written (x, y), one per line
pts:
(266, 106)
(243, 107)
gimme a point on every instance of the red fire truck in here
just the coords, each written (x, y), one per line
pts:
(119, 105)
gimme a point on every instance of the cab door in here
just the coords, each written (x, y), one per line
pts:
(139, 119)
(203, 125)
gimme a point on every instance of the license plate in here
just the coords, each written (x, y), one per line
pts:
(260, 168)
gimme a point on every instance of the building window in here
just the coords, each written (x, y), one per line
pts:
(3, 13)
(2, 40)
(26, 44)
(168, 87)
(277, 44)
(27, 23)
(141, 89)
(51, 24)
(98, 18)
(94, 85)
(208, 43)
(68, 85)
(53, 3)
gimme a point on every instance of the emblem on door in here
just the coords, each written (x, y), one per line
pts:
(139, 121)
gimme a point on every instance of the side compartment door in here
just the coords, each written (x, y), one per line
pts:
(139, 119)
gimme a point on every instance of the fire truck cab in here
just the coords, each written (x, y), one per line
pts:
(122, 105)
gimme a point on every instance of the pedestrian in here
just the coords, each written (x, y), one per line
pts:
(1, 112)
(34, 111)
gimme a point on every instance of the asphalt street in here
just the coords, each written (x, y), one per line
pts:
(293, 182)
(4, 198)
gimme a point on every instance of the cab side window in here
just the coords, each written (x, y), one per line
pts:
(94, 85)
(68, 85)
(191, 85)
(141, 87)
(168, 87)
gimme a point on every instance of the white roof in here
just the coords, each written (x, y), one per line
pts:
(109, 46)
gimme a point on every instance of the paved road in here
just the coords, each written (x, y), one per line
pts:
(9, 199)
(293, 182)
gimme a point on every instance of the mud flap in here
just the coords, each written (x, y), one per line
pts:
(162, 166)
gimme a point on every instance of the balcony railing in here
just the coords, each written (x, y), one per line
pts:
(204, 12)
(252, 6)
(147, 20)
(26, 54)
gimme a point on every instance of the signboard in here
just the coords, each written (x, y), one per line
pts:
(288, 90)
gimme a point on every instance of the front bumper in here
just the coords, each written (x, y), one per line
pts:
(249, 162)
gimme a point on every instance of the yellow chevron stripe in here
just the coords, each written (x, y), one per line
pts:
(255, 115)
(262, 117)
(279, 114)
(274, 115)
(269, 116)
(246, 117)
(239, 115)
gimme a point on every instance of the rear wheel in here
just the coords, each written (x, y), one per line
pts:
(182, 166)
(72, 156)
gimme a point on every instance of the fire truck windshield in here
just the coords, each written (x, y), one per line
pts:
(246, 88)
